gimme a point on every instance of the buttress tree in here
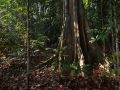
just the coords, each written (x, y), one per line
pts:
(73, 37)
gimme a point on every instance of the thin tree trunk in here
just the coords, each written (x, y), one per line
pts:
(115, 34)
(28, 49)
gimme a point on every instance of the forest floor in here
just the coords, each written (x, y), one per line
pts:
(12, 77)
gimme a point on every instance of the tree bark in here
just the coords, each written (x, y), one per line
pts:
(115, 34)
(74, 36)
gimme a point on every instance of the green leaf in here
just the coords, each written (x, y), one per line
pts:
(73, 66)
(86, 3)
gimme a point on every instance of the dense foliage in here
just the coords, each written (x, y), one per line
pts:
(48, 67)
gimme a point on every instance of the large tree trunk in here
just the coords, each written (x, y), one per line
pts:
(82, 29)
(74, 34)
